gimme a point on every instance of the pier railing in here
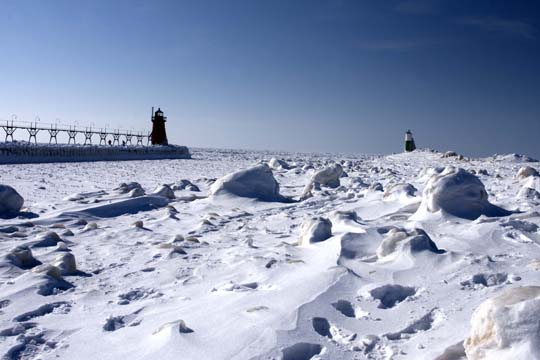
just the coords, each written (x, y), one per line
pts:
(32, 129)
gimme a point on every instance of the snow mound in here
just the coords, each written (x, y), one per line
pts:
(357, 183)
(256, 183)
(459, 193)
(485, 280)
(526, 171)
(398, 241)
(314, 230)
(22, 257)
(428, 173)
(178, 326)
(48, 270)
(164, 191)
(185, 184)
(278, 164)
(125, 188)
(528, 193)
(66, 263)
(450, 154)
(514, 158)
(329, 176)
(50, 238)
(399, 191)
(376, 187)
(345, 221)
(10, 200)
(137, 192)
(506, 326)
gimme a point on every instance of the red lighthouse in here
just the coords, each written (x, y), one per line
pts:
(159, 136)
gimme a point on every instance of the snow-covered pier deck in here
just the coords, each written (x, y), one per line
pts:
(24, 153)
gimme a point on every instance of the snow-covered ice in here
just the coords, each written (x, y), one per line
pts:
(267, 255)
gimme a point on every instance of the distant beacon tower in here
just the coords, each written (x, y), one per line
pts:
(159, 136)
(409, 142)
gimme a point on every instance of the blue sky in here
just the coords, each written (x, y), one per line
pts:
(303, 75)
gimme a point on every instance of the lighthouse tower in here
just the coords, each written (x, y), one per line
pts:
(409, 142)
(159, 135)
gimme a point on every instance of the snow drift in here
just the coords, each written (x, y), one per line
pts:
(122, 207)
(459, 193)
(399, 191)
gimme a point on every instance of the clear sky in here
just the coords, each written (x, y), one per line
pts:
(301, 75)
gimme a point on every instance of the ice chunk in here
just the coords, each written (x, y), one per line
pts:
(314, 230)
(506, 326)
(450, 154)
(49, 270)
(399, 240)
(136, 192)
(164, 191)
(186, 185)
(278, 164)
(10, 201)
(125, 188)
(526, 171)
(50, 238)
(458, 193)
(22, 257)
(329, 176)
(528, 193)
(257, 183)
(66, 263)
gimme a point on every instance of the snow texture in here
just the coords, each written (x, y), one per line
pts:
(97, 266)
